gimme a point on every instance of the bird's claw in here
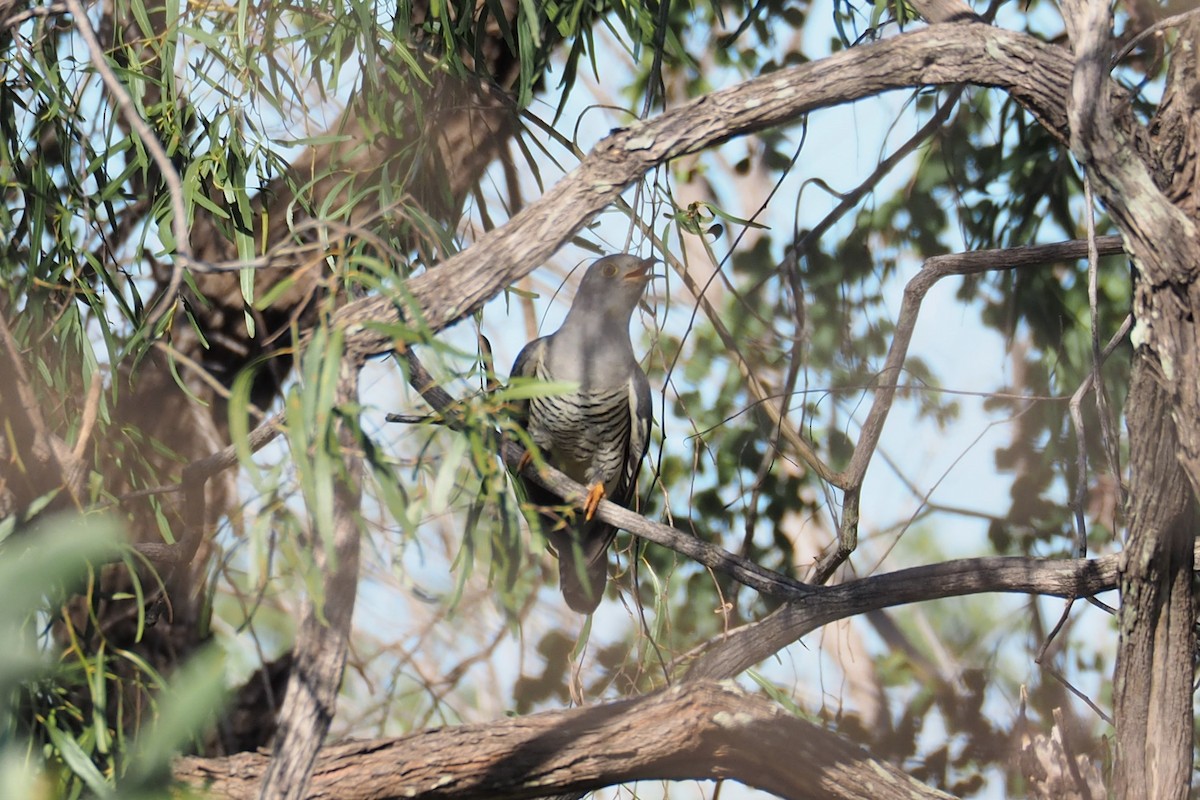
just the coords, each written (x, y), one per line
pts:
(526, 457)
(592, 501)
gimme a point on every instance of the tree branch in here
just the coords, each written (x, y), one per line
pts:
(323, 640)
(665, 735)
(932, 271)
(1150, 192)
(747, 646)
(737, 651)
(743, 570)
(1152, 682)
(702, 731)
(1036, 73)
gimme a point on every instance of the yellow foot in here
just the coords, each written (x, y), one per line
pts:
(526, 457)
(592, 502)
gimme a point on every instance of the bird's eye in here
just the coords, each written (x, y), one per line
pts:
(610, 270)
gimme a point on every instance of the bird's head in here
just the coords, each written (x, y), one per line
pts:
(613, 285)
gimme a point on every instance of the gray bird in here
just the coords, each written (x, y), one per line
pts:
(598, 433)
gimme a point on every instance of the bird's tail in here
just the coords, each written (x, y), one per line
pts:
(583, 564)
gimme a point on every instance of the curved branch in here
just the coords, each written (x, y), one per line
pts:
(699, 731)
(158, 153)
(1036, 73)
(744, 647)
(1161, 236)
(933, 270)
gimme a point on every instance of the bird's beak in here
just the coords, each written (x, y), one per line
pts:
(642, 272)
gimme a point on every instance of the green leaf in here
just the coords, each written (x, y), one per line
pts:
(529, 388)
(190, 702)
(79, 762)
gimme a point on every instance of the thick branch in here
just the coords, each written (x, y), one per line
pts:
(671, 734)
(1034, 72)
(696, 731)
(1161, 238)
(937, 11)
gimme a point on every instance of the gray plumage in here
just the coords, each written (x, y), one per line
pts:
(597, 434)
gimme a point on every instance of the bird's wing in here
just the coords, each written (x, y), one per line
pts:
(641, 415)
(525, 367)
(530, 354)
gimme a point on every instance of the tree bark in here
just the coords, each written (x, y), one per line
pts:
(464, 126)
(1147, 179)
(1152, 684)
(1036, 73)
(323, 640)
(694, 731)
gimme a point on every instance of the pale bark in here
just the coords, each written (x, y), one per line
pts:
(698, 730)
(1152, 684)
(1040, 75)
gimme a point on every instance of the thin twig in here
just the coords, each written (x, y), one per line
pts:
(1108, 437)
(934, 269)
(91, 409)
(1076, 410)
(179, 226)
(1170, 22)
(1087, 700)
(40, 11)
(195, 475)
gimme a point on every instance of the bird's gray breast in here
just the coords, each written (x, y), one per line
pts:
(584, 432)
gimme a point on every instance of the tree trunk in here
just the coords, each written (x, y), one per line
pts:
(1152, 692)
(1147, 180)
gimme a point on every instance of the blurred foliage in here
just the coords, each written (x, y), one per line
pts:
(57, 737)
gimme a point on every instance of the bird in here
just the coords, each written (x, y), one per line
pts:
(597, 433)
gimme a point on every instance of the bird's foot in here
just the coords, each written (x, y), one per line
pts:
(526, 457)
(592, 501)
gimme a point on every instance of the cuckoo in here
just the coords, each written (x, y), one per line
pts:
(596, 433)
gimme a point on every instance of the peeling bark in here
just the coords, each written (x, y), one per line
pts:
(323, 640)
